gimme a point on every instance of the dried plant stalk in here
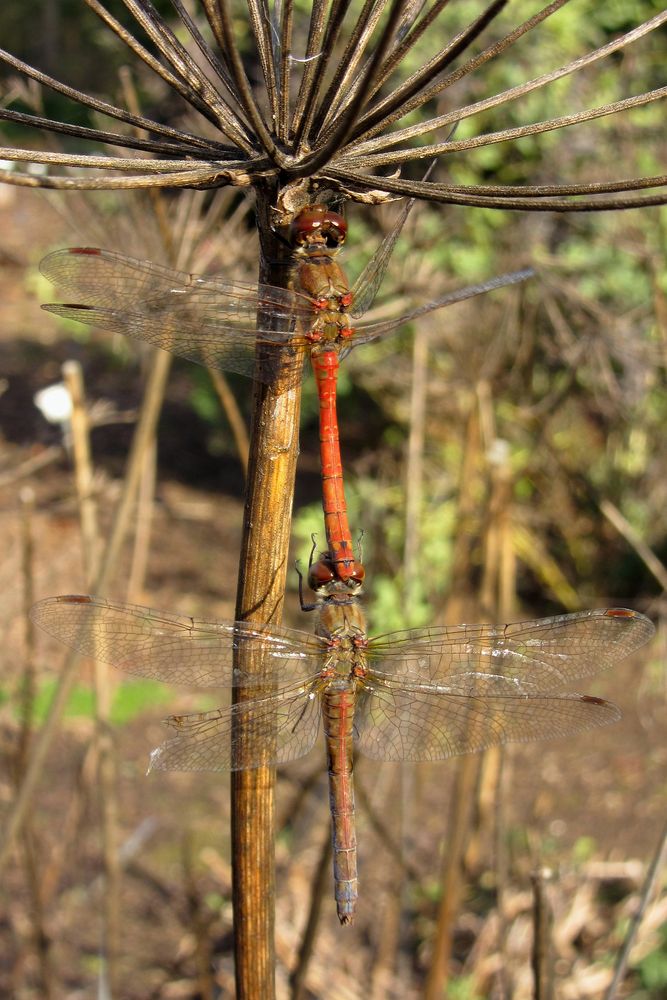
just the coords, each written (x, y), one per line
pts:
(274, 440)
(542, 958)
(451, 879)
(106, 757)
(26, 696)
(318, 888)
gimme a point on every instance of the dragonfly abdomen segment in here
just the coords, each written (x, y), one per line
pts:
(338, 715)
(337, 528)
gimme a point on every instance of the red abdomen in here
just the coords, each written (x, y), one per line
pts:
(339, 541)
(338, 715)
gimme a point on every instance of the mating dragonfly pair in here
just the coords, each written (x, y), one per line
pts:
(416, 695)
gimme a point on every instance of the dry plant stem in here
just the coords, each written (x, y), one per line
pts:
(388, 951)
(144, 434)
(498, 599)
(263, 566)
(657, 863)
(451, 879)
(30, 846)
(631, 536)
(471, 487)
(507, 594)
(234, 416)
(385, 836)
(70, 826)
(107, 768)
(346, 137)
(83, 468)
(32, 465)
(414, 466)
(26, 693)
(467, 516)
(497, 602)
(499, 761)
(541, 957)
(143, 523)
(318, 889)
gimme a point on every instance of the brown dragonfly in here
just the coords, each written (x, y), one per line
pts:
(416, 695)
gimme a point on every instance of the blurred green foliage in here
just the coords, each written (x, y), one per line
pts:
(462, 988)
(131, 700)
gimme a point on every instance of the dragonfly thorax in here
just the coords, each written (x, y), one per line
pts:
(343, 625)
(325, 283)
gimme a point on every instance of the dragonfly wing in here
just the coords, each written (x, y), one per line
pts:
(249, 734)
(399, 724)
(204, 339)
(105, 278)
(367, 284)
(207, 320)
(538, 656)
(366, 332)
(177, 649)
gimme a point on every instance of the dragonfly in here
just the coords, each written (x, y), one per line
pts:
(417, 695)
(227, 324)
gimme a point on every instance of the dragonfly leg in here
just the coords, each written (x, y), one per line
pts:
(304, 606)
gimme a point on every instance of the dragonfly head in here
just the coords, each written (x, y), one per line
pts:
(316, 228)
(325, 581)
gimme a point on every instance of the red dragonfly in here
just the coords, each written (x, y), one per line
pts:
(417, 695)
(221, 323)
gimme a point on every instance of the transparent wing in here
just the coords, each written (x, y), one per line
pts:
(177, 649)
(366, 332)
(275, 729)
(400, 724)
(538, 657)
(207, 320)
(367, 284)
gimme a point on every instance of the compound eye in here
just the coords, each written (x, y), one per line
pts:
(334, 229)
(320, 574)
(315, 221)
(358, 573)
(307, 222)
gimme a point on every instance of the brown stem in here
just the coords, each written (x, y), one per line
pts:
(107, 770)
(143, 524)
(263, 568)
(542, 957)
(648, 889)
(452, 878)
(30, 845)
(233, 414)
(414, 466)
